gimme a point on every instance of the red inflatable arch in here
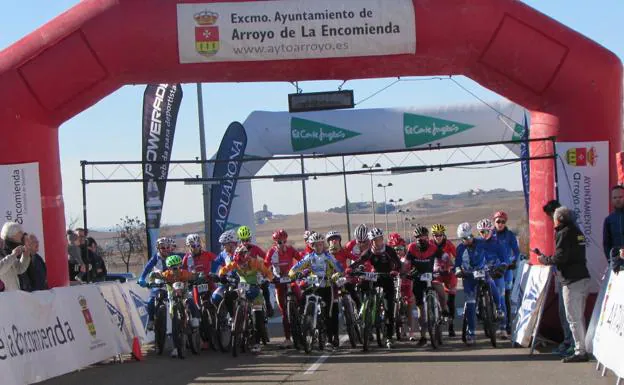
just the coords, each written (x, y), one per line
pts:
(572, 86)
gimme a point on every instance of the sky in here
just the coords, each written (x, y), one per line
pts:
(111, 129)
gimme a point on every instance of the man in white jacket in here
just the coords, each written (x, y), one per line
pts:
(18, 258)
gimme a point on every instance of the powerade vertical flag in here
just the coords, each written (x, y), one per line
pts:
(526, 169)
(161, 103)
(231, 153)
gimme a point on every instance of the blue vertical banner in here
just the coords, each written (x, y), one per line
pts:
(161, 104)
(229, 161)
(526, 169)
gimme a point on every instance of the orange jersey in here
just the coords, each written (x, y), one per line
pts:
(171, 276)
(248, 273)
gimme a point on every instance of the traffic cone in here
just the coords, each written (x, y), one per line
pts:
(137, 354)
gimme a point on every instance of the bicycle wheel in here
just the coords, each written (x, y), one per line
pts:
(177, 331)
(432, 320)
(464, 326)
(237, 333)
(258, 325)
(367, 324)
(347, 311)
(192, 335)
(224, 327)
(379, 319)
(307, 334)
(160, 328)
(295, 324)
(490, 316)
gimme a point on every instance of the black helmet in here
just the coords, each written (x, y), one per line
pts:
(421, 230)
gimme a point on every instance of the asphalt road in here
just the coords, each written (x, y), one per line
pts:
(453, 363)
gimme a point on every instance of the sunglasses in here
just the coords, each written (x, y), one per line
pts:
(195, 245)
(399, 248)
(175, 267)
(501, 222)
(466, 238)
(438, 235)
(245, 240)
(484, 231)
(281, 242)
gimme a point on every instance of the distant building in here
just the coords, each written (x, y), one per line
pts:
(263, 215)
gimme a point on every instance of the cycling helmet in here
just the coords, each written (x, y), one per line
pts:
(227, 237)
(280, 235)
(162, 242)
(438, 229)
(464, 230)
(241, 255)
(193, 239)
(361, 233)
(395, 240)
(306, 234)
(332, 234)
(484, 224)
(173, 261)
(420, 230)
(375, 233)
(244, 233)
(501, 214)
(315, 237)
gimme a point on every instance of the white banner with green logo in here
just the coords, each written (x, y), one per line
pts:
(296, 29)
(357, 130)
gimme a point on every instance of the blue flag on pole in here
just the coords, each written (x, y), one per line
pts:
(526, 170)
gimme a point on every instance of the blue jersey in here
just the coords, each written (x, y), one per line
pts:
(509, 242)
(155, 263)
(478, 255)
(222, 259)
(495, 252)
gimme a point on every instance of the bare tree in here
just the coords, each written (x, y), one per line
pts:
(130, 239)
(73, 221)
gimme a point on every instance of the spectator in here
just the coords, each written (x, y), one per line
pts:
(565, 348)
(17, 255)
(81, 235)
(35, 276)
(613, 229)
(75, 262)
(569, 258)
(97, 270)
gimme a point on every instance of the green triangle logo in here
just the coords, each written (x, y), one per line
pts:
(420, 129)
(306, 134)
(517, 132)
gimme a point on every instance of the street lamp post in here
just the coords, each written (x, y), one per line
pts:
(396, 211)
(370, 169)
(384, 186)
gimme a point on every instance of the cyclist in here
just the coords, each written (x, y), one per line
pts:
(175, 273)
(508, 240)
(486, 228)
(228, 241)
(343, 257)
(323, 265)
(156, 263)
(473, 255)
(360, 242)
(422, 255)
(384, 260)
(172, 245)
(407, 290)
(244, 235)
(308, 249)
(445, 266)
(248, 268)
(197, 260)
(282, 257)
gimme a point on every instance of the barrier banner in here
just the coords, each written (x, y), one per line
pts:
(583, 181)
(161, 103)
(531, 305)
(120, 315)
(20, 198)
(138, 297)
(231, 152)
(296, 29)
(49, 333)
(593, 322)
(520, 281)
(609, 336)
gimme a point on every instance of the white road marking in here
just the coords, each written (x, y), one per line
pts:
(322, 359)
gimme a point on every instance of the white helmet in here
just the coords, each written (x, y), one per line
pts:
(360, 233)
(332, 234)
(306, 235)
(227, 237)
(464, 230)
(172, 243)
(315, 237)
(192, 239)
(485, 224)
(162, 242)
(375, 232)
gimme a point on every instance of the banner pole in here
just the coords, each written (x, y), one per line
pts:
(305, 199)
(206, 189)
(84, 219)
(344, 177)
(555, 157)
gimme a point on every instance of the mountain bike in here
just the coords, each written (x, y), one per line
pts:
(432, 310)
(484, 306)
(311, 329)
(292, 313)
(160, 314)
(348, 312)
(372, 312)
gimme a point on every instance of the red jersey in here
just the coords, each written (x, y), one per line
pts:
(354, 250)
(422, 260)
(307, 251)
(284, 260)
(446, 261)
(200, 263)
(256, 252)
(342, 256)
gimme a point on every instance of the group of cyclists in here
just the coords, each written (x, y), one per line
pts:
(494, 247)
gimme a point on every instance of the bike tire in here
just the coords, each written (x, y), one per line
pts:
(378, 319)
(237, 332)
(431, 320)
(292, 315)
(224, 328)
(160, 328)
(307, 334)
(464, 327)
(367, 325)
(177, 333)
(259, 325)
(347, 311)
(490, 315)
